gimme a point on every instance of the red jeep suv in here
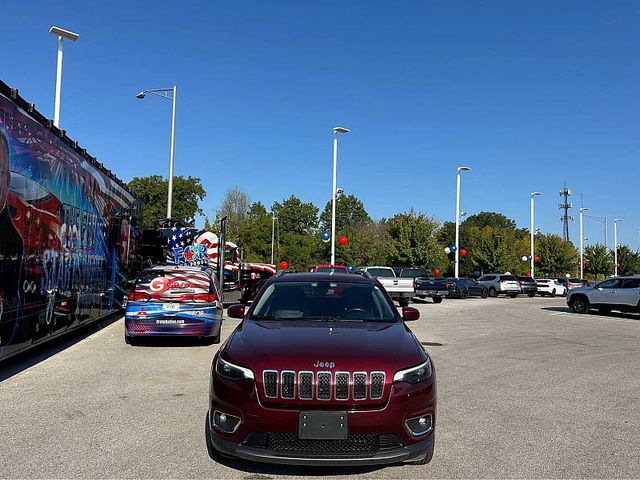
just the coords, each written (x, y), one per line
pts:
(322, 371)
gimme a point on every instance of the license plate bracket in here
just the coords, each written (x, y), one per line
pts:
(323, 425)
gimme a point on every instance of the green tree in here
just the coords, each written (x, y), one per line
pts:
(628, 261)
(599, 261)
(235, 206)
(295, 216)
(557, 256)
(254, 234)
(152, 191)
(411, 242)
(490, 219)
(488, 250)
(350, 213)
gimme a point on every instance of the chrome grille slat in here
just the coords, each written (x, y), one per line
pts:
(359, 385)
(342, 386)
(305, 385)
(323, 390)
(270, 381)
(288, 384)
(323, 385)
(377, 385)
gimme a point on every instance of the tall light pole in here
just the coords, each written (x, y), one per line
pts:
(615, 246)
(61, 33)
(532, 196)
(336, 131)
(457, 253)
(170, 94)
(582, 210)
(273, 235)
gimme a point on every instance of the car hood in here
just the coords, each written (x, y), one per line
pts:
(303, 344)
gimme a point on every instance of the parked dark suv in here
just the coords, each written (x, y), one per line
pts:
(322, 371)
(528, 286)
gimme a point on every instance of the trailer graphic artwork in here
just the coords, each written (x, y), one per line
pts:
(65, 230)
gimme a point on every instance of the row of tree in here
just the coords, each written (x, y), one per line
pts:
(493, 243)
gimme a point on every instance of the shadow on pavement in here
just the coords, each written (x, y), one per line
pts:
(41, 352)
(155, 342)
(626, 316)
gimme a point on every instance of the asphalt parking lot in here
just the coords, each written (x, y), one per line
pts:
(525, 389)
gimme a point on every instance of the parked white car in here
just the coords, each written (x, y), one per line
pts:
(551, 287)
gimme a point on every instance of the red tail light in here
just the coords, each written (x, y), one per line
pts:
(204, 297)
(138, 296)
(446, 284)
(503, 281)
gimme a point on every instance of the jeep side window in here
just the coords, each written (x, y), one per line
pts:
(611, 283)
(631, 283)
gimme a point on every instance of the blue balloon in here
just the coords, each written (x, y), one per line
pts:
(350, 268)
(325, 236)
(452, 248)
(476, 273)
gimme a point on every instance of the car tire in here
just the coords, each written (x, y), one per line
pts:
(427, 458)
(512, 295)
(580, 304)
(464, 293)
(553, 292)
(531, 295)
(403, 302)
(437, 299)
(485, 293)
(492, 292)
(564, 292)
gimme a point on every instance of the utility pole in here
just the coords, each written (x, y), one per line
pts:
(565, 205)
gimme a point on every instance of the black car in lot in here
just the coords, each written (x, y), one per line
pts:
(528, 286)
(465, 287)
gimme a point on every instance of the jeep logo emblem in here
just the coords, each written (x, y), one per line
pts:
(324, 364)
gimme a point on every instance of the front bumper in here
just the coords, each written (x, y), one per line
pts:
(395, 455)
(383, 420)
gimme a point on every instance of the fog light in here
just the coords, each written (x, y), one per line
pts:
(419, 425)
(225, 422)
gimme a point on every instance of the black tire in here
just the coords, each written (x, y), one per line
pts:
(531, 295)
(553, 292)
(512, 295)
(464, 293)
(564, 294)
(580, 304)
(427, 458)
(484, 293)
(492, 292)
(403, 302)
(437, 299)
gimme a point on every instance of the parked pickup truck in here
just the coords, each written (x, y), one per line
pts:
(400, 289)
(436, 288)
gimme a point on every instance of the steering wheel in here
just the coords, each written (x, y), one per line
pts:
(356, 313)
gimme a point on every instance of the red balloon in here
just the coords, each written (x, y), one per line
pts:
(528, 274)
(436, 272)
(584, 262)
(463, 252)
(284, 265)
(343, 240)
(536, 258)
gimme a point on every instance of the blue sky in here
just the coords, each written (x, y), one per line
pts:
(530, 94)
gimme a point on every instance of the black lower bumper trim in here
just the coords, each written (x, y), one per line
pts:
(396, 455)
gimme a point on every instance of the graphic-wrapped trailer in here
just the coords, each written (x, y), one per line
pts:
(67, 230)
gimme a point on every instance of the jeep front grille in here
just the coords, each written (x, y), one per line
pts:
(324, 385)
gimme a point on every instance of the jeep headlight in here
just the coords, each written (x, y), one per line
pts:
(416, 374)
(232, 372)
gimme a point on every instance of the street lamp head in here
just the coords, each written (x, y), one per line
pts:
(140, 95)
(584, 209)
(535, 194)
(463, 169)
(341, 130)
(61, 32)
(616, 220)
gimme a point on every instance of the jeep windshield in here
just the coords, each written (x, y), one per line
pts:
(323, 301)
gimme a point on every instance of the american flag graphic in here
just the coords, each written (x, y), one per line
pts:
(178, 239)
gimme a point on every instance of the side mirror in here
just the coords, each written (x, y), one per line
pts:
(236, 311)
(410, 313)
